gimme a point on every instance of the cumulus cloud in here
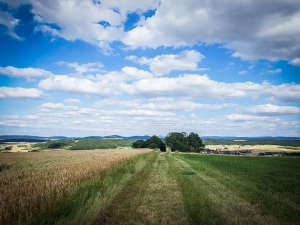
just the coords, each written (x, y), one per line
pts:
(243, 117)
(295, 62)
(46, 107)
(243, 72)
(191, 85)
(10, 23)
(252, 29)
(83, 68)
(275, 71)
(285, 93)
(20, 93)
(188, 85)
(271, 110)
(24, 72)
(201, 86)
(127, 73)
(161, 105)
(103, 21)
(75, 85)
(72, 100)
(163, 64)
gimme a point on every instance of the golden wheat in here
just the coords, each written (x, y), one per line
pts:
(28, 180)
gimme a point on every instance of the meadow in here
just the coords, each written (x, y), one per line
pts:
(142, 186)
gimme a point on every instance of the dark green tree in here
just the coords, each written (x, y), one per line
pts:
(156, 142)
(139, 144)
(153, 142)
(177, 141)
(194, 142)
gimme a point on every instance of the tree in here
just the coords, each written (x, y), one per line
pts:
(195, 143)
(153, 142)
(180, 141)
(139, 144)
(177, 141)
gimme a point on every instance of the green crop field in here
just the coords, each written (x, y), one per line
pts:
(148, 187)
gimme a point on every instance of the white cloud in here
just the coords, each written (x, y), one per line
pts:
(83, 86)
(243, 117)
(197, 86)
(132, 73)
(46, 107)
(24, 72)
(105, 47)
(163, 64)
(52, 106)
(285, 93)
(10, 23)
(253, 29)
(127, 73)
(83, 68)
(72, 100)
(98, 23)
(161, 105)
(132, 104)
(191, 85)
(20, 93)
(271, 110)
(295, 62)
(133, 81)
(275, 71)
(243, 72)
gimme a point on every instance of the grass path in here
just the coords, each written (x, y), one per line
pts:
(152, 198)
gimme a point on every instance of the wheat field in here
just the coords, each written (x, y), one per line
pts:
(29, 180)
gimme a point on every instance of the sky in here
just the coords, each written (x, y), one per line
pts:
(129, 67)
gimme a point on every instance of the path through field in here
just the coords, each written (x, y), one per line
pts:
(173, 190)
(153, 198)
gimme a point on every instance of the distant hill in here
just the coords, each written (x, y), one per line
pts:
(29, 138)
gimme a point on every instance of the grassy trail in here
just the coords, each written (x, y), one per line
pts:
(152, 198)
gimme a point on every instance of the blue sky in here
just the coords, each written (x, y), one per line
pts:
(83, 67)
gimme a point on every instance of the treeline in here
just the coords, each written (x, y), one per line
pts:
(100, 143)
(62, 144)
(82, 144)
(293, 143)
(176, 141)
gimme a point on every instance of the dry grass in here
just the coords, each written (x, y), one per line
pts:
(256, 149)
(28, 180)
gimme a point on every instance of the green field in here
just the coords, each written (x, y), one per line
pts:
(84, 144)
(172, 188)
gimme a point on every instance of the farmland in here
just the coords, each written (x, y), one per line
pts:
(134, 186)
(27, 180)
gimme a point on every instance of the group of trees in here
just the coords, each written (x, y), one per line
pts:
(176, 141)
(153, 142)
(180, 141)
